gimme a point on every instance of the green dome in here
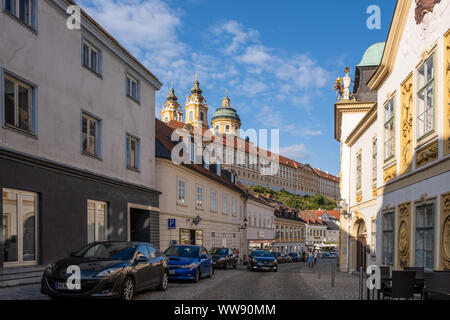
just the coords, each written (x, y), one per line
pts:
(226, 111)
(373, 55)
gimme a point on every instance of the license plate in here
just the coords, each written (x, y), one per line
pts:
(61, 286)
(266, 268)
(171, 271)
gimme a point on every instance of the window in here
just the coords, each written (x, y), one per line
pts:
(18, 104)
(374, 160)
(227, 128)
(133, 151)
(191, 115)
(96, 221)
(24, 10)
(425, 236)
(358, 171)
(425, 101)
(218, 169)
(224, 205)
(133, 88)
(19, 227)
(224, 240)
(213, 239)
(192, 152)
(388, 238)
(373, 238)
(199, 196)
(91, 57)
(233, 207)
(202, 116)
(213, 201)
(389, 133)
(90, 130)
(240, 211)
(181, 191)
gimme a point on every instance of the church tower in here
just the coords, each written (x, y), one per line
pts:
(171, 109)
(225, 119)
(196, 108)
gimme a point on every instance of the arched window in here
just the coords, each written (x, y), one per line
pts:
(201, 116)
(191, 115)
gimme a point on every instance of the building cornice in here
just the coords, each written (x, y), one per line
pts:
(362, 126)
(348, 106)
(392, 44)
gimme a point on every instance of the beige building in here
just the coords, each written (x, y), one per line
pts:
(197, 205)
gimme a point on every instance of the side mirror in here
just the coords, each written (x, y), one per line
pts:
(203, 257)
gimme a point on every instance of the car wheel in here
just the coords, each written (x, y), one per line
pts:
(127, 289)
(164, 282)
(211, 272)
(197, 275)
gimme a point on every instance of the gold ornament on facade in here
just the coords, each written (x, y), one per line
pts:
(447, 96)
(445, 229)
(359, 197)
(390, 173)
(427, 155)
(339, 88)
(404, 233)
(374, 191)
(406, 126)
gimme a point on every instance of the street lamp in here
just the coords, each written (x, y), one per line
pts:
(342, 206)
(245, 225)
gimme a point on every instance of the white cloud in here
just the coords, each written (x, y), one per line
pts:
(256, 55)
(296, 151)
(236, 33)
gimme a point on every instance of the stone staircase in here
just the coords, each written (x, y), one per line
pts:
(16, 276)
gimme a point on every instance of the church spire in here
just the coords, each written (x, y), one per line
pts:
(196, 88)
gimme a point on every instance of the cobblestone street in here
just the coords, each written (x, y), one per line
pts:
(293, 281)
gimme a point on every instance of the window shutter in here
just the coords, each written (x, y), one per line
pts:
(34, 14)
(100, 62)
(127, 152)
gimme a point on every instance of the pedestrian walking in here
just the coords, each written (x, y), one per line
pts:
(310, 260)
(315, 257)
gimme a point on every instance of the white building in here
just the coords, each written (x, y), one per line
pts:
(395, 161)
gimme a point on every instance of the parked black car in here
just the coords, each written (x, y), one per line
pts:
(262, 260)
(287, 258)
(223, 258)
(295, 257)
(109, 269)
(278, 257)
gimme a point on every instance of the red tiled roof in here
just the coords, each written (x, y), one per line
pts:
(319, 213)
(310, 217)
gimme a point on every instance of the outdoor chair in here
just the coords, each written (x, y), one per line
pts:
(418, 286)
(402, 286)
(439, 281)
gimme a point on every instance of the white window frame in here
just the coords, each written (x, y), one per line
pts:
(224, 204)
(31, 115)
(428, 111)
(19, 218)
(389, 120)
(130, 165)
(88, 63)
(130, 80)
(97, 150)
(213, 201)
(95, 202)
(199, 196)
(181, 200)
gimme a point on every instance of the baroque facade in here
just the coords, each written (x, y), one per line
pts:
(395, 163)
(295, 177)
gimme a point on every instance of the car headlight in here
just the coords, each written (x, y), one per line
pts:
(108, 272)
(49, 269)
(221, 259)
(189, 266)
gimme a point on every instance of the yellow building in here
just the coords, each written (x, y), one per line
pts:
(196, 108)
(171, 109)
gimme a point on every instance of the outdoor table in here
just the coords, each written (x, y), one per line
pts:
(443, 292)
(419, 281)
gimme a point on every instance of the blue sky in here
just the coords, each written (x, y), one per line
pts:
(278, 59)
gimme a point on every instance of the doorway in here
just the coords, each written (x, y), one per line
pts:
(139, 225)
(191, 236)
(361, 245)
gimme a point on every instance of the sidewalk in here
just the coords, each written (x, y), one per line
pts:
(346, 286)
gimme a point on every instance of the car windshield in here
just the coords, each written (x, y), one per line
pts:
(107, 251)
(262, 254)
(183, 252)
(219, 251)
(277, 254)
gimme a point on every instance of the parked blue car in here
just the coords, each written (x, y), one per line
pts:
(189, 262)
